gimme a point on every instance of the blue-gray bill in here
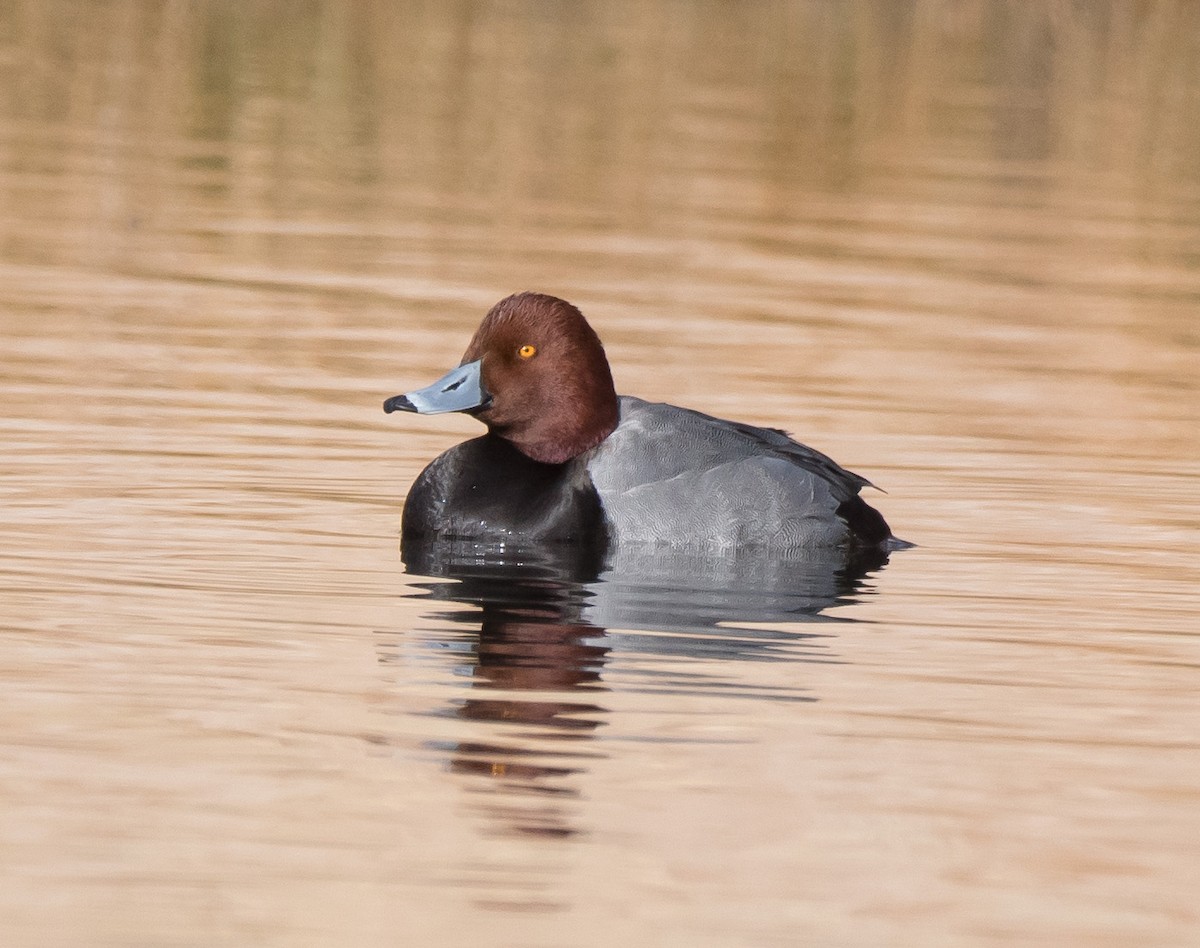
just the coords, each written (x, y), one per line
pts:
(460, 389)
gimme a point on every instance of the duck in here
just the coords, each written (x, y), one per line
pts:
(566, 460)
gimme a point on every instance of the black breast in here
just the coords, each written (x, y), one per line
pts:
(488, 491)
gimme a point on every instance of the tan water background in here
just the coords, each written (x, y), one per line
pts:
(956, 245)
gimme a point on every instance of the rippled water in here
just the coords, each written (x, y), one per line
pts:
(954, 245)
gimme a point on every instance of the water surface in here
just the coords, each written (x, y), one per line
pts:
(955, 246)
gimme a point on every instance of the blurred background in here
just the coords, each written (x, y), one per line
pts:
(953, 243)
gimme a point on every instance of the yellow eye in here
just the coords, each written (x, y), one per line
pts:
(527, 351)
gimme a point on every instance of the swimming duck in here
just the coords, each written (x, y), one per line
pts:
(565, 459)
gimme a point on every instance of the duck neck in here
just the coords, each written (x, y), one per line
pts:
(561, 443)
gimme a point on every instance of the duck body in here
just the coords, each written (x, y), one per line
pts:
(566, 460)
(669, 475)
(485, 490)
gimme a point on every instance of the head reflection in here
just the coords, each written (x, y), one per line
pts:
(534, 671)
(531, 661)
(537, 660)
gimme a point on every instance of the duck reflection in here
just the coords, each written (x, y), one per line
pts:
(533, 667)
(531, 661)
(539, 648)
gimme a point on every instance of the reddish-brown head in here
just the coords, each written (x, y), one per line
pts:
(544, 369)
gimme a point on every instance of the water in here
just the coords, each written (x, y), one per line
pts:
(955, 246)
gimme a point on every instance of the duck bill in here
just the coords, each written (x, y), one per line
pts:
(459, 389)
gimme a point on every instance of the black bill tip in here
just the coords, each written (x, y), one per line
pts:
(398, 403)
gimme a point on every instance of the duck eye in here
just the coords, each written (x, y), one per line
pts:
(527, 351)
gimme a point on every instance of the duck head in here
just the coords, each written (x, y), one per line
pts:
(536, 374)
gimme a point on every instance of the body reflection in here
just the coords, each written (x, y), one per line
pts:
(552, 623)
